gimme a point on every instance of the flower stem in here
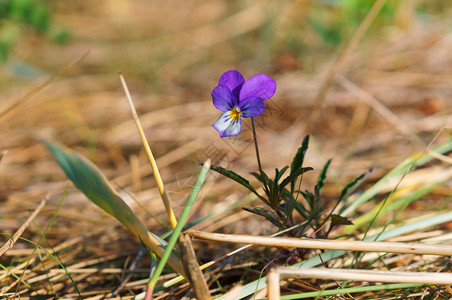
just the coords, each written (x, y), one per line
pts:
(264, 181)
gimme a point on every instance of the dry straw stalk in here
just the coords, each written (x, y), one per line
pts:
(364, 246)
(358, 275)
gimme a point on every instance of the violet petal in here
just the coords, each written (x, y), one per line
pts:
(223, 98)
(261, 86)
(233, 80)
(252, 107)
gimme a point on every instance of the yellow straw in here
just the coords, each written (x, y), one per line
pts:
(151, 158)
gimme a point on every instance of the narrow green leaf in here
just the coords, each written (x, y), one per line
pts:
(322, 176)
(268, 214)
(234, 176)
(302, 210)
(293, 176)
(257, 176)
(267, 181)
(393, 204)
(90, 181)
(298, 159)
(352, 186)
(239, 179)
(310, 198)
(279, 174)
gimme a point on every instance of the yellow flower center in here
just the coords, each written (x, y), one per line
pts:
(235, 113)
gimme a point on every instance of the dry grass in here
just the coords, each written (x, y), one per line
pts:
(391, 99)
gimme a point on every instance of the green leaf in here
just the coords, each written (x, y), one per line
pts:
(268, 214)
(90, 181)
(301, 210)
(352, 186)
(234, 176)
(268, 182)
(340, 220)
(297, 161)
(39, 18)
(322, 176)
(293, 176)
(257, 176)
(311, 200)
(279, 174)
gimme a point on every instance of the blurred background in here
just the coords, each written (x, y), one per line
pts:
(388, 94)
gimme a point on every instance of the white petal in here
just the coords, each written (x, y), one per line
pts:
(226, 126)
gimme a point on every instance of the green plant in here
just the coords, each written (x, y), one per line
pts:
(20, 16)
(239, 98)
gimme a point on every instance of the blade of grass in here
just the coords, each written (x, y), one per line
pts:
(90, 180)
(37, 245)
(16, 269)
(412, 162)
(383, 206)
(392, 204)
(155, 169)
(180, 224)
(360, 289)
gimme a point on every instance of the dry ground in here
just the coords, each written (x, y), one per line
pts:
(172, 55)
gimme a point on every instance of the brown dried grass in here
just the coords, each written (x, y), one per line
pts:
(172, 56)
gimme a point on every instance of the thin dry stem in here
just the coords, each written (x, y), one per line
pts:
(364, 246)
(130, 271)
(210, 263)
(367, 275)
(155, 169)
(273, 285)
(379, 108)
(38, 89)
(440, 157)
(357, 275)
(340, 61)
(191, 266)
(10, 243)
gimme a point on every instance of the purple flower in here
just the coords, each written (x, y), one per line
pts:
(238, 98)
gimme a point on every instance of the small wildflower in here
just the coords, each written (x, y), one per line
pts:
(238, 98)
